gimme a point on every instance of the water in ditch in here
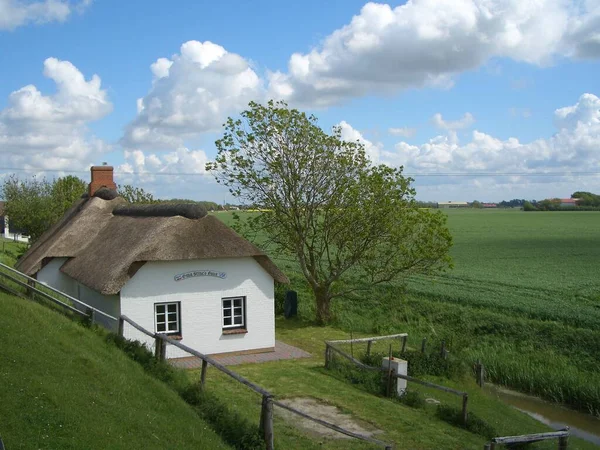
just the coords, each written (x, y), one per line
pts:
(584, 426)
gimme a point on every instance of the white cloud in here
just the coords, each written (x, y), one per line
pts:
(177, 174)
(350, 134)
(575, 147)
(49, 131)
(180, 161)
(403, 131)
(452, 125)
(193, 92)
(427, 42)
(16, 13)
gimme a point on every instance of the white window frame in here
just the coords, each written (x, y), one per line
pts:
(167, 321)
(231, 308)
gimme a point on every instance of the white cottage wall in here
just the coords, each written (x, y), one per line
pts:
(52, 276)
(106, 303)
(201, 303)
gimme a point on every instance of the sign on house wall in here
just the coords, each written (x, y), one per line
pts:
(200, 273)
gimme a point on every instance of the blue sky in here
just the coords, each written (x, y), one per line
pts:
(466, 87)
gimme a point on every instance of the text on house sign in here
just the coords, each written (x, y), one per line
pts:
(200, 273)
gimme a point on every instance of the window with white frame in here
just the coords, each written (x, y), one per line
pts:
(234, 312)
(167, 318)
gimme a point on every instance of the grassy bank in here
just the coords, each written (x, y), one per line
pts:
(62, 386)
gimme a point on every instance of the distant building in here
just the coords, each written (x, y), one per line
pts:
(489, 205)
(453, 204)
(9, 232)
(566, 202)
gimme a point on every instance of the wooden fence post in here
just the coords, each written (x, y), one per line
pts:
(369, 348)
(157, 347)
(423, 345)
(480, 374)
(266, 421)
(327, 356)
(465, 413)
(160, 348)
(163, 350)
(390, 372)
(391, 378)
(203, 374)
(563, 441)
(443, 349)
(90, 316)
(404, 339)
(487, 446)
(30, 292)
(121, 327)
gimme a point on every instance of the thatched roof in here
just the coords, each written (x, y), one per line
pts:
(106, 240)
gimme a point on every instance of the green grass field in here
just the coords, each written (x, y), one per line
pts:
(539, 265)
(63, 387)
(515, 334)
(407, 427)
(524, 297)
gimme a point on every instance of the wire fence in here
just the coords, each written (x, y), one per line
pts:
(388, 375)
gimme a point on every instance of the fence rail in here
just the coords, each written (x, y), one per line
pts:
(268, 401)
(54, 295)
(61, 299)
(369, 340)
(330, 348)
(562, 436)
(333, 427)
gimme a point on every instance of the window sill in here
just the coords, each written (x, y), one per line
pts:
(175, 337)
(235, 331)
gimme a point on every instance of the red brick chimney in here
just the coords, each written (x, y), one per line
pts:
(102, 176)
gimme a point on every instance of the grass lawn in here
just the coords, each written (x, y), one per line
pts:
(63, 387)
(10, 250)
(408, 427)
(524, 291)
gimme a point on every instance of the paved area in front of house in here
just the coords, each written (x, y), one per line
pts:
(282, 351)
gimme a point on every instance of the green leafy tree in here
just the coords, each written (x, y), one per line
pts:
(586, 198)
(65, 191)
(550, 204)
(33, 205)
(135, 195)
(339, 215)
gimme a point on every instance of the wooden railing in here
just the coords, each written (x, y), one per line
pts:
(330, 348)
(266, 415)
(32, 287)
(369, 340)
(562, 436)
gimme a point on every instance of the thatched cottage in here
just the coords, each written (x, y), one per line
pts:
(171, 268)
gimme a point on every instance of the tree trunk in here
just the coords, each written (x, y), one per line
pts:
(323, 304)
